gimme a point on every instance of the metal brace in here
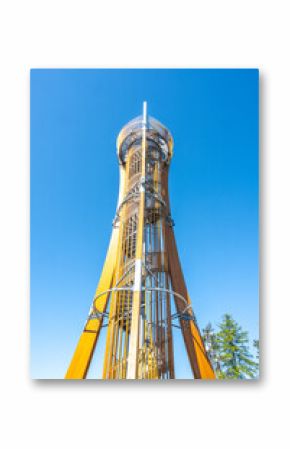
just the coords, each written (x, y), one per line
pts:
(170, 221)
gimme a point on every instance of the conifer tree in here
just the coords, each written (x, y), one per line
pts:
(256, 344)
(236, 361)
(211, 345)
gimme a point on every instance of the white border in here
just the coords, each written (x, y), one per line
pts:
(151, 34)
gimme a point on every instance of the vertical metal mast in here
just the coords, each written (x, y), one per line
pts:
(137, 293)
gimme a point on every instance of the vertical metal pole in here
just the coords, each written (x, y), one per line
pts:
(137, 294)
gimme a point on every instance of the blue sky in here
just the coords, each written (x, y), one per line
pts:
(75, 118)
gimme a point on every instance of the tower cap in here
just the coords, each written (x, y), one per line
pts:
(155, 131)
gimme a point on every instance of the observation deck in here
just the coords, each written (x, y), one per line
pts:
(155, 131)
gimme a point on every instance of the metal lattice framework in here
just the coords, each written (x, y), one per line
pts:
(142, 276)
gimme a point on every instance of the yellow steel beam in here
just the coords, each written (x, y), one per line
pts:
(200, 364)
(84, 350)
(83, 354)
(198, 358)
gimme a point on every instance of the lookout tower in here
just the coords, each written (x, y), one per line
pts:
(141, 293)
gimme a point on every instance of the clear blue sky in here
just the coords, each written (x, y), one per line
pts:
(75, 118)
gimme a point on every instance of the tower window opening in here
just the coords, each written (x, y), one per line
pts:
(135, 163)
(153, 231)
(129, 240)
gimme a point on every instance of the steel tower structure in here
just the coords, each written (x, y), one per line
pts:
(141, 294)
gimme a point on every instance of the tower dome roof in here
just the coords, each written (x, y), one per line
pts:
(133, 131)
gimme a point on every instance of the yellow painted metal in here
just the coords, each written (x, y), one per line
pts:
(200, 364)
(81, 359)
(109, 368)
(199, 361)
(205, 368)
(83, 353)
